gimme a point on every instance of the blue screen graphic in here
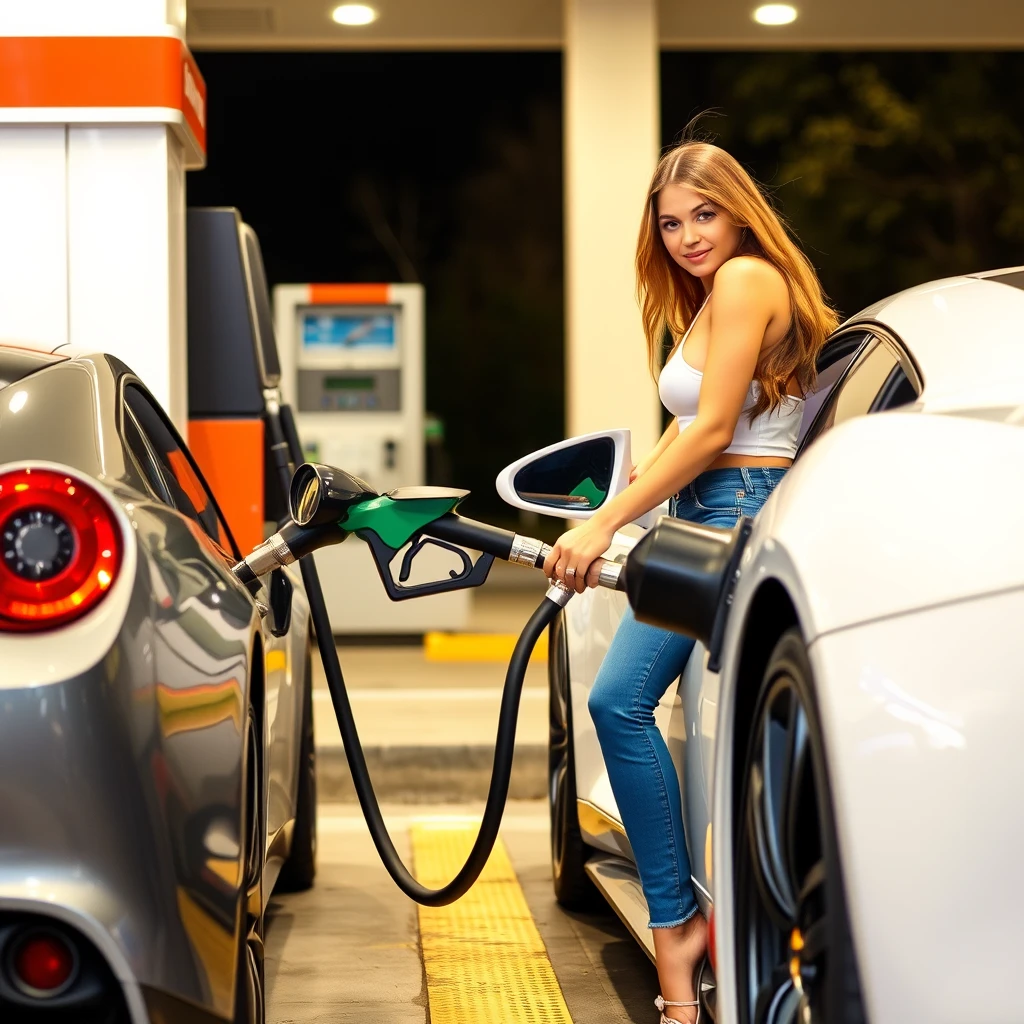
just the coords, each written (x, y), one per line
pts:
(348, 331)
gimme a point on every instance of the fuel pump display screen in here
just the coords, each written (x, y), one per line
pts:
(349, 383)
(348, 331)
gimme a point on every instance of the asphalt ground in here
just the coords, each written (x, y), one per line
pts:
(351, 948)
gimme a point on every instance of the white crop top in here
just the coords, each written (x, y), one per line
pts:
(772, 433)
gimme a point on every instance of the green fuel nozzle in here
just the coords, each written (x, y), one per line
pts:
(328, 505)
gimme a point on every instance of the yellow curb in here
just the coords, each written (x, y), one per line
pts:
(477, 647)
(483, 956)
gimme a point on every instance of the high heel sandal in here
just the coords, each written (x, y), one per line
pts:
(661, 1003)
(698, 982)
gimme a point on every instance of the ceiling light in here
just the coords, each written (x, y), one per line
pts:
(354, 14)
(775, 14)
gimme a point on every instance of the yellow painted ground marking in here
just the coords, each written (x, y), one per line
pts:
(477, 647)
(484, 958)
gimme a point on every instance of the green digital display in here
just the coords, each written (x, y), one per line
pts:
(349, 383)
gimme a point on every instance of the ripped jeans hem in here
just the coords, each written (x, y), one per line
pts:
(674, 924)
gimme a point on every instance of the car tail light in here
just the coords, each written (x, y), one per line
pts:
(43, 964)
(60, 548)
(712, 956)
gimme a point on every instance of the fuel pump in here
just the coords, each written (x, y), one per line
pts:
(352, 370)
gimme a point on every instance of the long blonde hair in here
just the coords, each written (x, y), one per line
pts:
(670, 297)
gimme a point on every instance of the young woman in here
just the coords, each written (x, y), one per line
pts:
(717, 269)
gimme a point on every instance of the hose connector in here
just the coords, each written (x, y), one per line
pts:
(611, 575)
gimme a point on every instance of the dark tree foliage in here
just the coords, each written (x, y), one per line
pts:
(892, 168)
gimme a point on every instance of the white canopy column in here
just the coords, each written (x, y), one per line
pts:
(102, 109)
(611, 146)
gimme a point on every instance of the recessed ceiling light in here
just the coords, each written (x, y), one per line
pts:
(775, 14)
(354, 14)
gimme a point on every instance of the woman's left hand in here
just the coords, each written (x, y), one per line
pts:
(574, 552)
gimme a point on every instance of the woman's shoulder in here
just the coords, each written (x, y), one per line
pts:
(745, 270)
(751, 281)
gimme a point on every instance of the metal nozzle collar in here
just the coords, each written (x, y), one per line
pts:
(273, 552)
(526, 551)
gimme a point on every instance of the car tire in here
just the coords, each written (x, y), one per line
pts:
(790, 900)
(573, 887)
(250, 980)
(299, 870)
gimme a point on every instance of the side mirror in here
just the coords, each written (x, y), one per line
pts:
(573, 477)
(319, 495)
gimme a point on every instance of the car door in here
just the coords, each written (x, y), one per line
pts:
(199, 567)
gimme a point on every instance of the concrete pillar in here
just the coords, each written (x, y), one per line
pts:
(611, 147)
(102, 109)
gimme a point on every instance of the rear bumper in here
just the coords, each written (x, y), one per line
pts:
(99, 833)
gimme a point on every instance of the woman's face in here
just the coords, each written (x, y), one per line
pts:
(697, 235)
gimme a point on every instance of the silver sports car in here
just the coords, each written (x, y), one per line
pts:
(156, 745)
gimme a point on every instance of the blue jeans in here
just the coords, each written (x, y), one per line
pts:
(641, 663)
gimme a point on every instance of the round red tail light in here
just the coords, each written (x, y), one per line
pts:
(43, 964)
(60, 548)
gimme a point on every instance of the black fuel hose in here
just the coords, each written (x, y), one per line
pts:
(504, 746)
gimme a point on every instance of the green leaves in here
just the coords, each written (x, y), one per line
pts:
(892, 168)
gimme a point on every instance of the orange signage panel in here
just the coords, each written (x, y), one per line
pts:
(101, 71)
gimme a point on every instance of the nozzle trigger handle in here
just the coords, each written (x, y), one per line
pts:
(472, 574)
(467, 565)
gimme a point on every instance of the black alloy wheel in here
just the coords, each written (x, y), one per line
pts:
(573, 887)
(299, 870)
(250, 993)
(794, 953)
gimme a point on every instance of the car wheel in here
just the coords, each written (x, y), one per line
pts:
(299, 869)
(250, 993)
(573, 887)
(794, 953)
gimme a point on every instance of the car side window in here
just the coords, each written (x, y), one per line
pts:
(873, 382)
(182, 483)
(143, 455)
(835, 357)
(896, 391)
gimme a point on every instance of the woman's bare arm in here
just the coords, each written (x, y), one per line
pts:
(671, 433)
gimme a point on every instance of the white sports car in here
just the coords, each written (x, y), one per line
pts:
(849, 777)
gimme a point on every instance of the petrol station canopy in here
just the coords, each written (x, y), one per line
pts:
(539, 24)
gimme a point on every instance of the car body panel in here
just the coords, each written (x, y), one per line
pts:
(122, 766)
(923, 741)
(858, 499)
